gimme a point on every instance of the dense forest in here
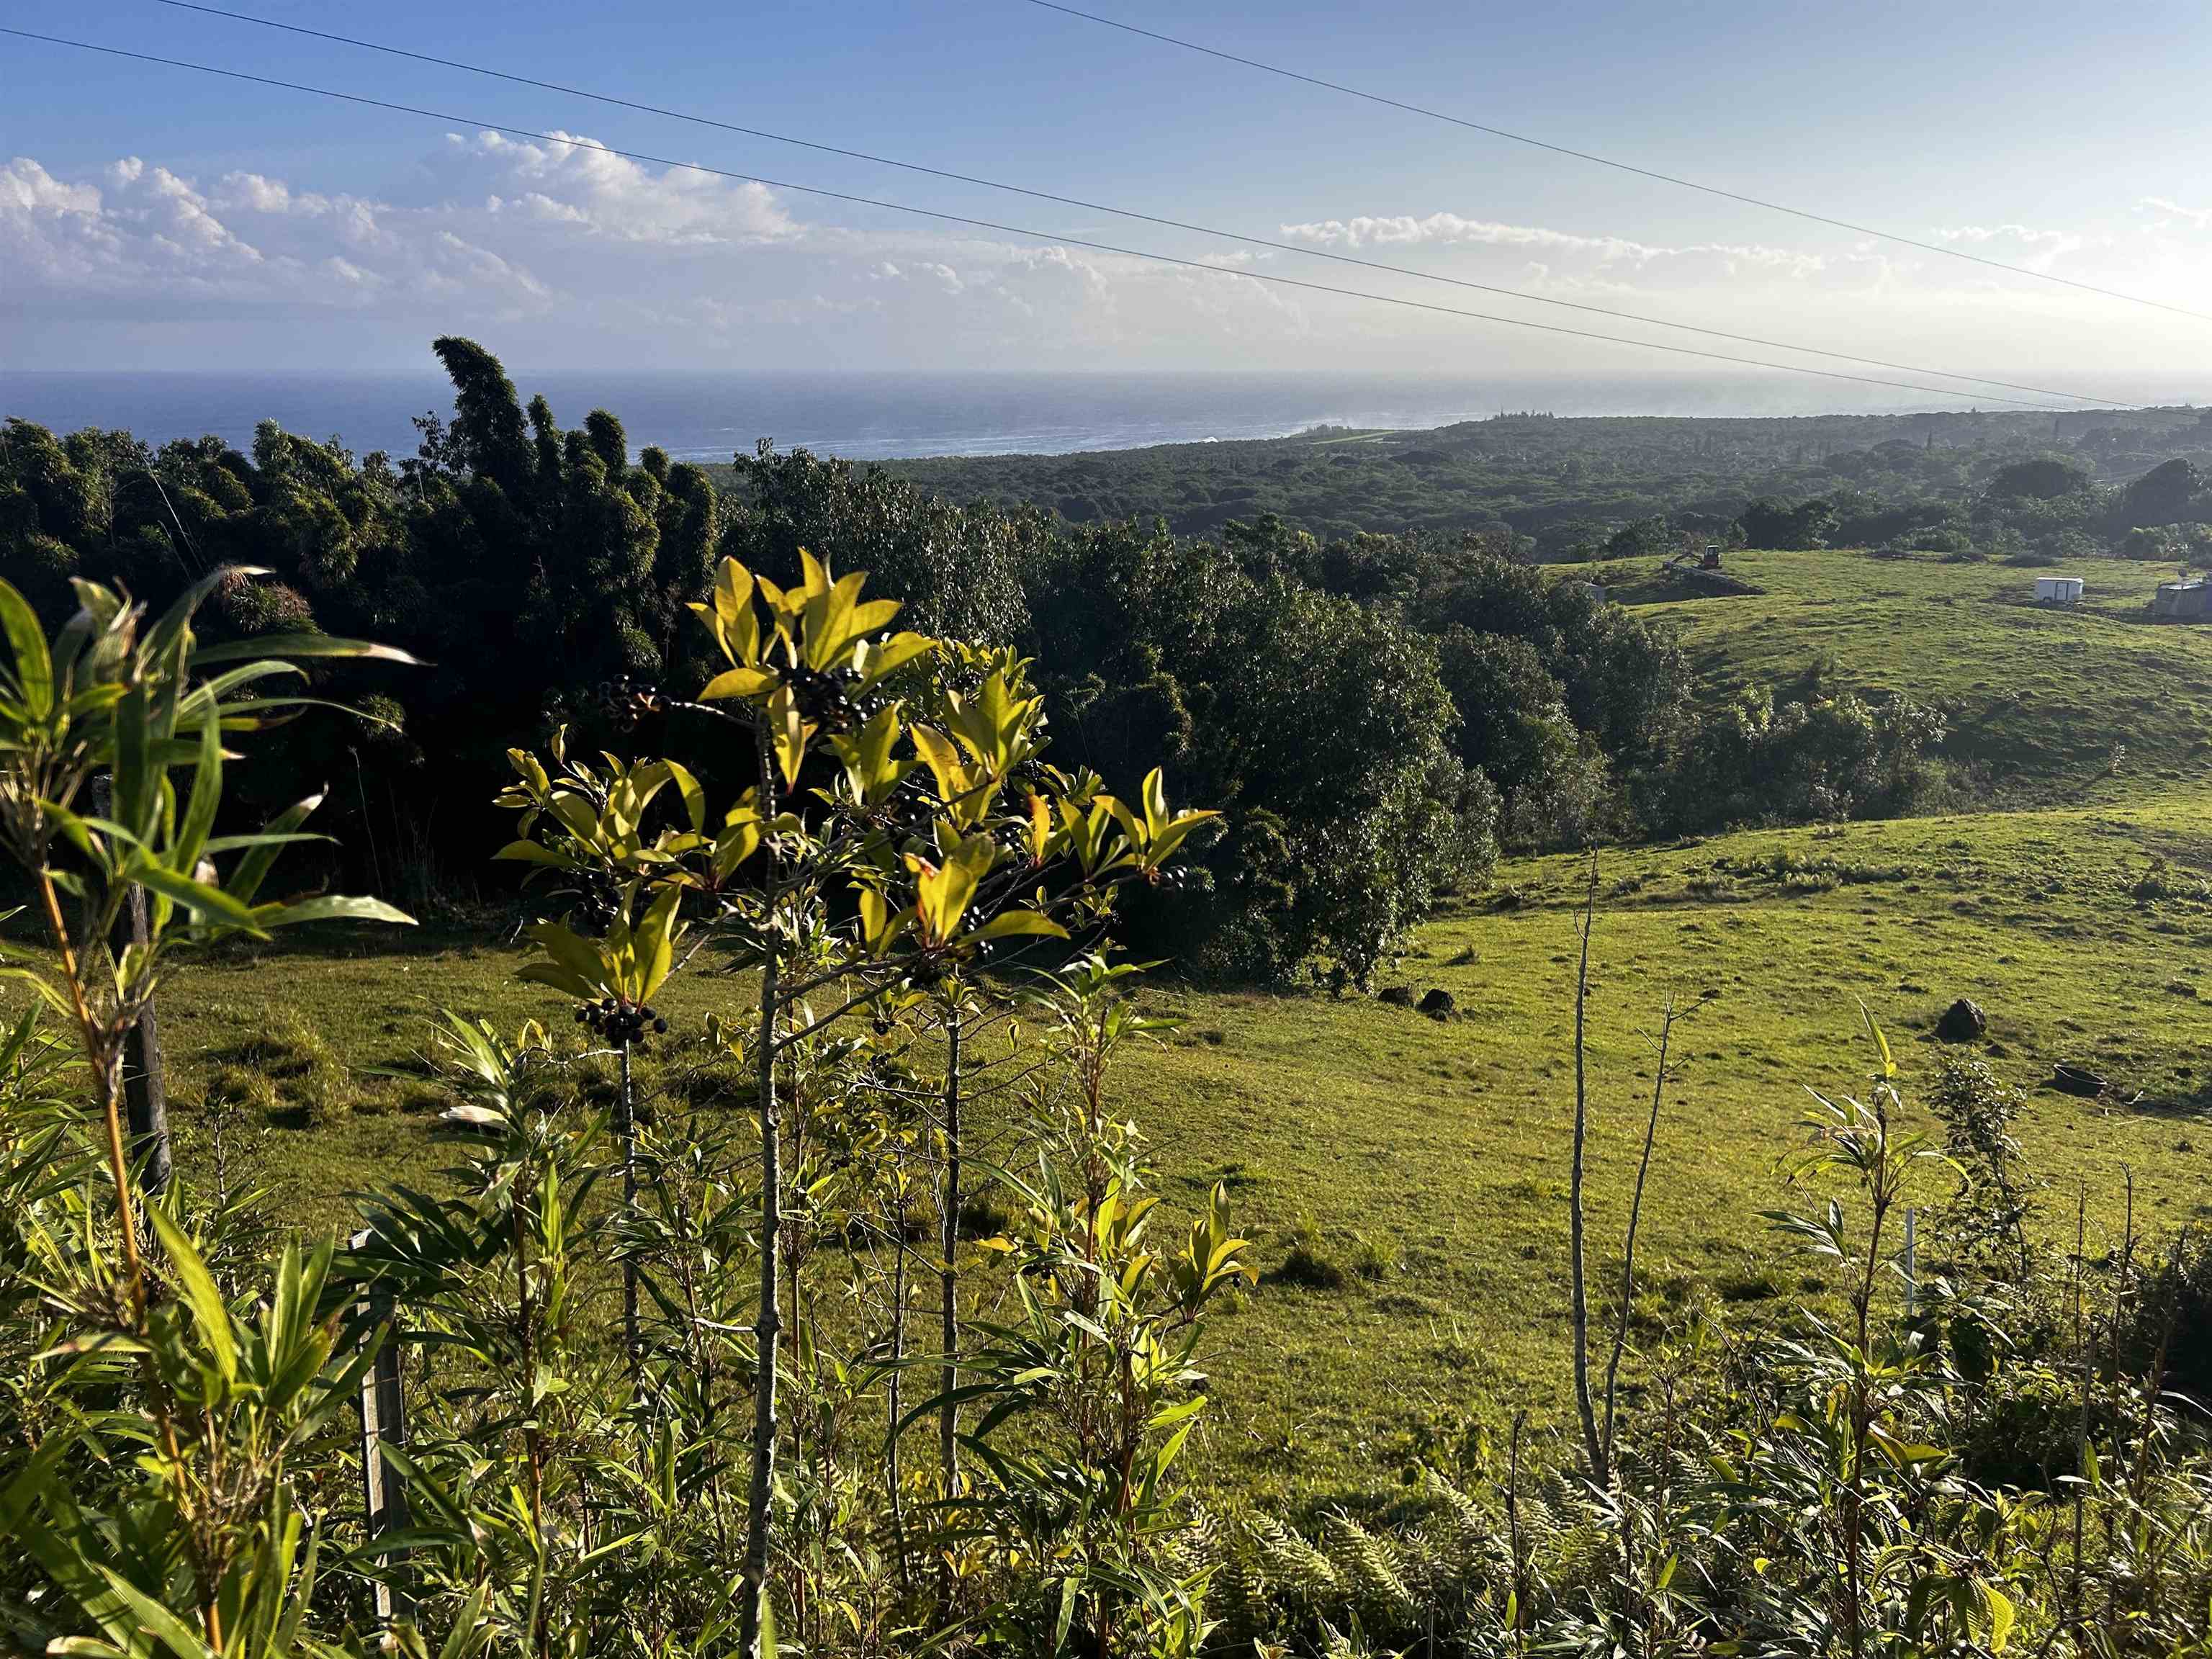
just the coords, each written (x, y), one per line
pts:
(1570, 485)
(1374, 710)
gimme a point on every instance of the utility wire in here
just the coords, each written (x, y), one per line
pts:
(1607, 161)
(1048, 238)
(1124, 213)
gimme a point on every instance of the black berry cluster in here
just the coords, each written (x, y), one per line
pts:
(822, 700)
(624, 701)
(620, 1021)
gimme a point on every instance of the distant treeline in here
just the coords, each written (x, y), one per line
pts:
(1569, 485)
(1375, 712)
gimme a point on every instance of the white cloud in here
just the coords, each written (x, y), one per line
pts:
(2019, 244)
(1452, 230)
(2201, 217)
(565, 253)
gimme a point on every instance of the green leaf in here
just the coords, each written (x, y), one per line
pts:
(531, 852)
(1012, 923)
(1997, 1613)
(210, 904)
(253, 869)
(197, 1285)
(656, 936)
(738, 682)
(207, 795)
(694, 796)
(1066, 1614)
(336, 906)
(35, 668)
(155, 1619)
(282, 646)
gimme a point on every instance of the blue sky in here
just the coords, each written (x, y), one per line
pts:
(149, 218)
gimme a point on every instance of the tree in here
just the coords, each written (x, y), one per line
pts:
(933, 831)
(1806, 524)
(2166, 494)
(2046, 478)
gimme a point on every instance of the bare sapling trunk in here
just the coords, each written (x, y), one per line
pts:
(628, 1109)
(768, 1326)
(948, 1312)
(1593, 1446)
(1628, 1249)
(892, 1391)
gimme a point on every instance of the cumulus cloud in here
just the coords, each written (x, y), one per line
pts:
(2201, 217)
(559, 238)
(561, 251)
(2020, 245)
(1544, 261)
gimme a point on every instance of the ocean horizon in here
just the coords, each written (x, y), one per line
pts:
(911, 414)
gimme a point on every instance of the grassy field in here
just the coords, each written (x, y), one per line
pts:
(1413, 1172)
(2048, 701)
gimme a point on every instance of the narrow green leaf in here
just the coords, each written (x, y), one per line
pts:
(35, 667)
(210, 904)
(283, 646)
(197, 1287)
(334, 907)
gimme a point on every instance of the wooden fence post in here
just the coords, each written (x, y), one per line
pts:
(145, 1096)
(1912, 1262)
(383, 1421)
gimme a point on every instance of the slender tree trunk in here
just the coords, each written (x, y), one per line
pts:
(533, 1432)
(948, 1421)
(1628, 1249)
(893, 1393)
(768, 1326)
(630, 1209)
(2081, 1432)
(1592, 1445)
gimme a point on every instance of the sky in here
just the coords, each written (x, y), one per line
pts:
(154, 218)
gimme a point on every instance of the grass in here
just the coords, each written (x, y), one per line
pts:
(2041, 697)
(1404, 1178)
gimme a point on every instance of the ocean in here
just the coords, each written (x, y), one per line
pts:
(878, 416)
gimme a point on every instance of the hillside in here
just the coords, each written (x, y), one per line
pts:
(1404, 1178)
(2090, 702)
(1559, 479)
(1433, 1155)
(1420, 1166)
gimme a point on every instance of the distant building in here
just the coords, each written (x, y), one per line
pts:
(1597, 591)
(2058, 590)
(2191, 597)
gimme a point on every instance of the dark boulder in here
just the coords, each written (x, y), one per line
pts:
(1398, 996)
(1963, 1022)
(1439, 1004)
(2078, 1080)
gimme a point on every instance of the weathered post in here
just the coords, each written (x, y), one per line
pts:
(1912, 1262)
(145, 1096)
(383, 1421)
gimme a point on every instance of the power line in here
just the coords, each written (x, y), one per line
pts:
(1047, 238)
(1125, 213)
(1607, 161)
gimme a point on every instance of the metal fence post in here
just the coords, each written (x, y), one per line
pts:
(383, 1422)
